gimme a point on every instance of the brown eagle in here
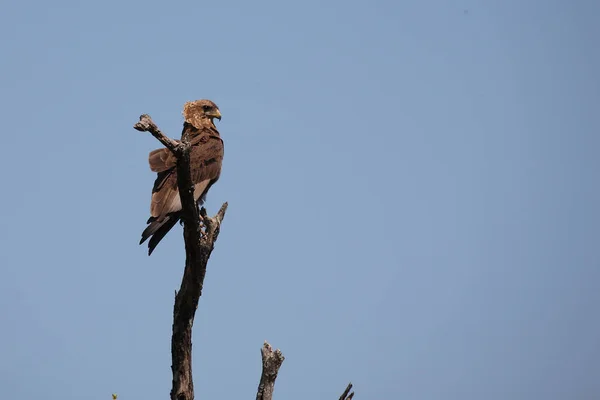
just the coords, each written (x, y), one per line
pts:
(206, 157)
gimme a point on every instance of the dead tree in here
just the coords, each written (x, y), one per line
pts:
(200, 241)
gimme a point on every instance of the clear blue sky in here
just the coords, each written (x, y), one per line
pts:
(413, 197)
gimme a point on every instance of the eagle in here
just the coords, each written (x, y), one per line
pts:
(206, 157)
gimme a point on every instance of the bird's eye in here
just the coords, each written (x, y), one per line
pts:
(206, 108)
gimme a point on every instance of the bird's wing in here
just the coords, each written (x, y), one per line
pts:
(205, 167)
(164, 193)
(161, 160)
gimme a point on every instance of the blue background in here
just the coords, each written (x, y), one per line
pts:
(412, 185)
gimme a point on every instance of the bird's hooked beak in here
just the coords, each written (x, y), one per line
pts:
(216, 114)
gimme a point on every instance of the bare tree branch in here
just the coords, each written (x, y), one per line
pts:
(198, 248)
(147, 125)
(186, 301)
(271, 362)
(345, 395)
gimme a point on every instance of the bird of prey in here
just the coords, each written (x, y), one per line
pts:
(206, 156)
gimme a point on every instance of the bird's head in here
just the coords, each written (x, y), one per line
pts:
(200, 111)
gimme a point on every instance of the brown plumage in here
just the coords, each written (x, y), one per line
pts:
(206, 157)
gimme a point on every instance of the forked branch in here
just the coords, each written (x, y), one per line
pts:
(198, 248)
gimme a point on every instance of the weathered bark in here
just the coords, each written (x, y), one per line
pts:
(198, 250)
(271, 362)
(147, 125)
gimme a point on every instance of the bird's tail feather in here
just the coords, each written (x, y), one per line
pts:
(156, 230)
